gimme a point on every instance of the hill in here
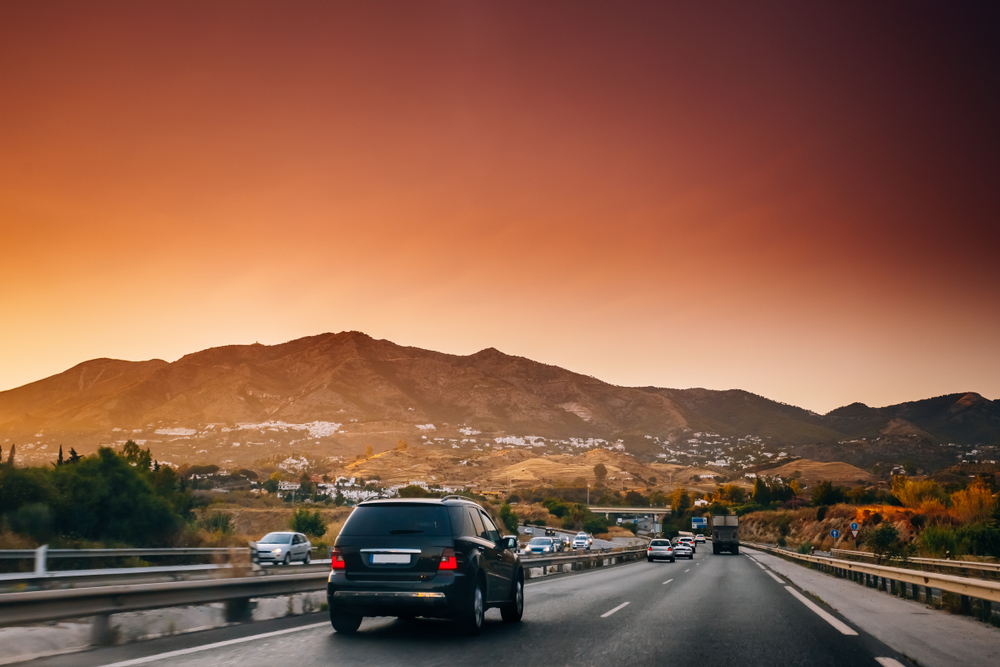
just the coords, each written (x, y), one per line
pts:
(329, 397)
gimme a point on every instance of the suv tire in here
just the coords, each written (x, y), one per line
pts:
(305, 561)
(471, 616)
(513, 610)
(345, 624)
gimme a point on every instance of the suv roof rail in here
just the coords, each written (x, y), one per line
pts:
(456, 497)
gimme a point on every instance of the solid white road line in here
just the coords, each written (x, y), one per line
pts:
(889, 662)
(618, 608)
(843, 628)
(208, 647)
(667, 582)
(775, 577)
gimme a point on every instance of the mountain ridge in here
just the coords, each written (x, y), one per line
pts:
(366, 387)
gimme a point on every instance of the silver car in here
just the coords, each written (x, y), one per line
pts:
(660, 549)
(683, 550)
(283, 548)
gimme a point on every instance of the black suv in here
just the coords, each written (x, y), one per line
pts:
(443, 558)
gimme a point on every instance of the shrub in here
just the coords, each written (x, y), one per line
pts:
(884, 542)
(979, 540)
(913, 494)
(595, 524)
(310, 523)
(937, 540)
(217, 522)
(974, 504)
(805, 548)
(33, 520)
(825, 493)
(631, 526)
(509, 518)
(782, 542)
(821, 512)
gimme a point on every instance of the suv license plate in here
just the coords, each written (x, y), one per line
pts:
(390, 558)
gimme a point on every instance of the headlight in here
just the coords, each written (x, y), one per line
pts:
(545, 549)
(276, 551)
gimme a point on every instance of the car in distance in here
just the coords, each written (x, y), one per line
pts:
(699, 539)
(550, 532)
(283, 548)
(565, 542)
(683, 550)
(660, 549)
(540, 545)
(581, 541)
(442, 558)
(688, 541)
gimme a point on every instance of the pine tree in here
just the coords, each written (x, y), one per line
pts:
(60, 461)
(73, 456)
(10, 457)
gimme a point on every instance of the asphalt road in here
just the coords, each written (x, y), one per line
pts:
(723, 610)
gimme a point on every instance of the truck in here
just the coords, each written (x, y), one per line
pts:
(725, 533)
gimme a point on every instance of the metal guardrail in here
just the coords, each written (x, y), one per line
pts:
(101, 601)
(975, 588)
(967, 565)
(28, 554)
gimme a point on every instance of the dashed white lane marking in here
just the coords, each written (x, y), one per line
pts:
(775, 577)
(667, 582)
(208, 647)
(889, 662)
(688, 570)
(843, 628)
(618, 608)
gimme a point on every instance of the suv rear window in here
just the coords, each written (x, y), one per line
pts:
(386, 520)
(659, 543)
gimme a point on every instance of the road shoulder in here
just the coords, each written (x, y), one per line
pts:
(930, 637)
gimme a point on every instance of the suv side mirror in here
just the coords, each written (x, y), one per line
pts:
(508, 542)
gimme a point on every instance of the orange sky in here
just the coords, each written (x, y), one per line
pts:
(804, 205)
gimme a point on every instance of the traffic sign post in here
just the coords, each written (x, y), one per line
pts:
(854, 528)
(835, 533)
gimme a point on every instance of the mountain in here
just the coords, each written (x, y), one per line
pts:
(330, 396)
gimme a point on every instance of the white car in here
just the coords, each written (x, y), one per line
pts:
(683, 550)
(582, 541)
(688, 541)
(283, 548)
(660, 549)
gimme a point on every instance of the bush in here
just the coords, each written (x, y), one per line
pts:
(34, 520)
(509, 518)
(217, 522)
(805, 548)
(631, 526)
(595, 524)
(782, 542)
(937, 540)
(310, 523)
(979, 540)
(884, 542)
(821, 512)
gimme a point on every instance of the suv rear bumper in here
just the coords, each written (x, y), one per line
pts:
(441, 597)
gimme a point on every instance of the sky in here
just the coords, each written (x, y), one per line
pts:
(796, 199)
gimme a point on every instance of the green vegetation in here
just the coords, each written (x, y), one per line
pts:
(309, 523)
(509, 518)
(107, 497)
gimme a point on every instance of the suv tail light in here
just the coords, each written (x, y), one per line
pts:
(448, 560)
(649, 549)
(337, 560)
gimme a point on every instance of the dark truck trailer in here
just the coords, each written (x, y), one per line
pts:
(725, 534)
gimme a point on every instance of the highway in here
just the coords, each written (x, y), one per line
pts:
(712, 610)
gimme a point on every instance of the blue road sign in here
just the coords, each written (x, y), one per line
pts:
(854, 525)
(699, 522)
(835, 533)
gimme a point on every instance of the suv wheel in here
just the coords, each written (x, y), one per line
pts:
(305, 561)
(471, 617)
(288, 559)
(513, 610)
(345, 623)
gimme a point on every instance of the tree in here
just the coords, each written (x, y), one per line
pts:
(305, 486)
(310, 523)
(914, 494)
(59, 461)
(509, 518)
(885, 544)
(636, 499)
(680, 501)
(600, 474)
(974, 504)
(10, 456)
(271, 485)
(825, 493)
(761, 493)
